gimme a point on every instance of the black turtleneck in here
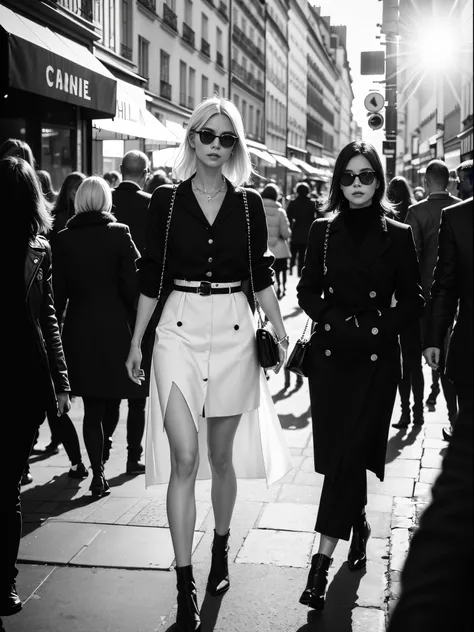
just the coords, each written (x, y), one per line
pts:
(360, 221)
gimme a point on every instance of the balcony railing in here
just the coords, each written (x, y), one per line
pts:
(220, 59)
(126, 52)
(149, 4)
(165, 90)
(205, 47)
(170, 18)
(188, 34)
(86, 9)
(223, 8)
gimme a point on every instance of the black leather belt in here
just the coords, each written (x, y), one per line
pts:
(205, 289)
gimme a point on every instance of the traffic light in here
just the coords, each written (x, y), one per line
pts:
(375, 121)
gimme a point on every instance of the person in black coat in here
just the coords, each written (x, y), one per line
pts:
(131, 207)
(35, 375)
(301, 213)
(95, 281)
(355, 263)
(436, 579)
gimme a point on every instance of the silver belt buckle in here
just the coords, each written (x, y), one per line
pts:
(205, 288)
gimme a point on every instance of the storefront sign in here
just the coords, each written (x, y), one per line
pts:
(51, 65)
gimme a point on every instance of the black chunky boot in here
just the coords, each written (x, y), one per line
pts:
(188, 618)
(357, 558)
(218, 582)
(99, 486)
(313, 595)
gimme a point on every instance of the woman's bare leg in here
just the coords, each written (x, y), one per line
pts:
(220, 441)
(180, 502)
(327, 545)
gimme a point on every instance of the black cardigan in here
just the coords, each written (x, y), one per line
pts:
(199, 251)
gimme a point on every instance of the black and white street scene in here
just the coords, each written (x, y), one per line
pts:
(238, 307)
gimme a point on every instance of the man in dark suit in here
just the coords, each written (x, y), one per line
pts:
(130, 206)
(424, 219)
(437, 576)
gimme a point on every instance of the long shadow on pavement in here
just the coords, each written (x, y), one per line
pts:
(399, 441)
(341, 599)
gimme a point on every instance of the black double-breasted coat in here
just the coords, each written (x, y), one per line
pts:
(354, 357)
(95, 281)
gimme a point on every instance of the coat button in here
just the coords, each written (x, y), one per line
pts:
(372, 294)
(331, 291)
(210, 260)
(35, 260)
(375, 331)
(236, 327)
(374, 357)
(327, 327)
(210, 241)
(209, 273)
(179, 323)
(327, 352)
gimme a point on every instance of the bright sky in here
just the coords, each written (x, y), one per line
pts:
(360, 17)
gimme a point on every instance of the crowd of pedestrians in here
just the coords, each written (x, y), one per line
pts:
(144, 288)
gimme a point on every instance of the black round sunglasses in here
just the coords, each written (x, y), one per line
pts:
(226, 139)
(365, 177)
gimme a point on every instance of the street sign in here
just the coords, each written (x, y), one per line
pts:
(375, 121)
(389, 147)
(374, 102)
(372, 62)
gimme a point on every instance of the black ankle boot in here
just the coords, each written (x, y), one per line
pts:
(404, 420)
(99, 486)
(313, 594)
(218, 582)
(357, 558)
(187, 618)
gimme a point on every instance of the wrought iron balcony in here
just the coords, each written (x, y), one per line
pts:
(205, 47)
(223, 8)
(126, 52)
(149, 4)
(87, 9)
(188, 34)
(170, 18)
(165, 90)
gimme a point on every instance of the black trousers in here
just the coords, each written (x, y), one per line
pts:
(437, 576)
(135, 425)
(343, 500)
(413, 379)
(16, 441)
(298, 251)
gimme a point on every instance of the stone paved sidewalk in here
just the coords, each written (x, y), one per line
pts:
(107, 565)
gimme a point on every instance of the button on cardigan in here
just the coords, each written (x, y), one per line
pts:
(198, 250)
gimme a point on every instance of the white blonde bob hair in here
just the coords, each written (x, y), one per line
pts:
(94, 194)
(239, 167)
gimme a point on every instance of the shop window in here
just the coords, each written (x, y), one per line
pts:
(57, 152)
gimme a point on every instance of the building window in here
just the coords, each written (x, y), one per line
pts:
(218, 40)
(112, 24)
(216, 90)
(236, 101)
(244, 112)
(259, 122)
(171, 4)
(126, 30)
(191, 88)
(251, 119)
(204, 27)
(182, 83)
(204, 87)
(188, 12)
(165, 86)
(143, 46)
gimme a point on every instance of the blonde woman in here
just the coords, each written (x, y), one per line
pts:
(207, 390)
(95, 281)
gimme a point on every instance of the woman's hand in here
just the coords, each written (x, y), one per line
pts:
(64, 403)
(134, 360)
(282, 350)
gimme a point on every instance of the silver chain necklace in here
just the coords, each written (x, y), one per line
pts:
(209, 196)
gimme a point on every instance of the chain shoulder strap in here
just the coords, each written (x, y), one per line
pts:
(325, 252)
(247, 217)
(167, 232)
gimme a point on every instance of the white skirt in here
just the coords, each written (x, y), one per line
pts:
(206, 346)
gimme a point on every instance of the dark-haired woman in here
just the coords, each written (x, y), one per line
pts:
(400, 195)
(35, 372)
(355, 263)
(64, 207)
(17, 148)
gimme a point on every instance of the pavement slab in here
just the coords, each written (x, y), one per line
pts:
(288, 517)
(281, 548)
(97, 600)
